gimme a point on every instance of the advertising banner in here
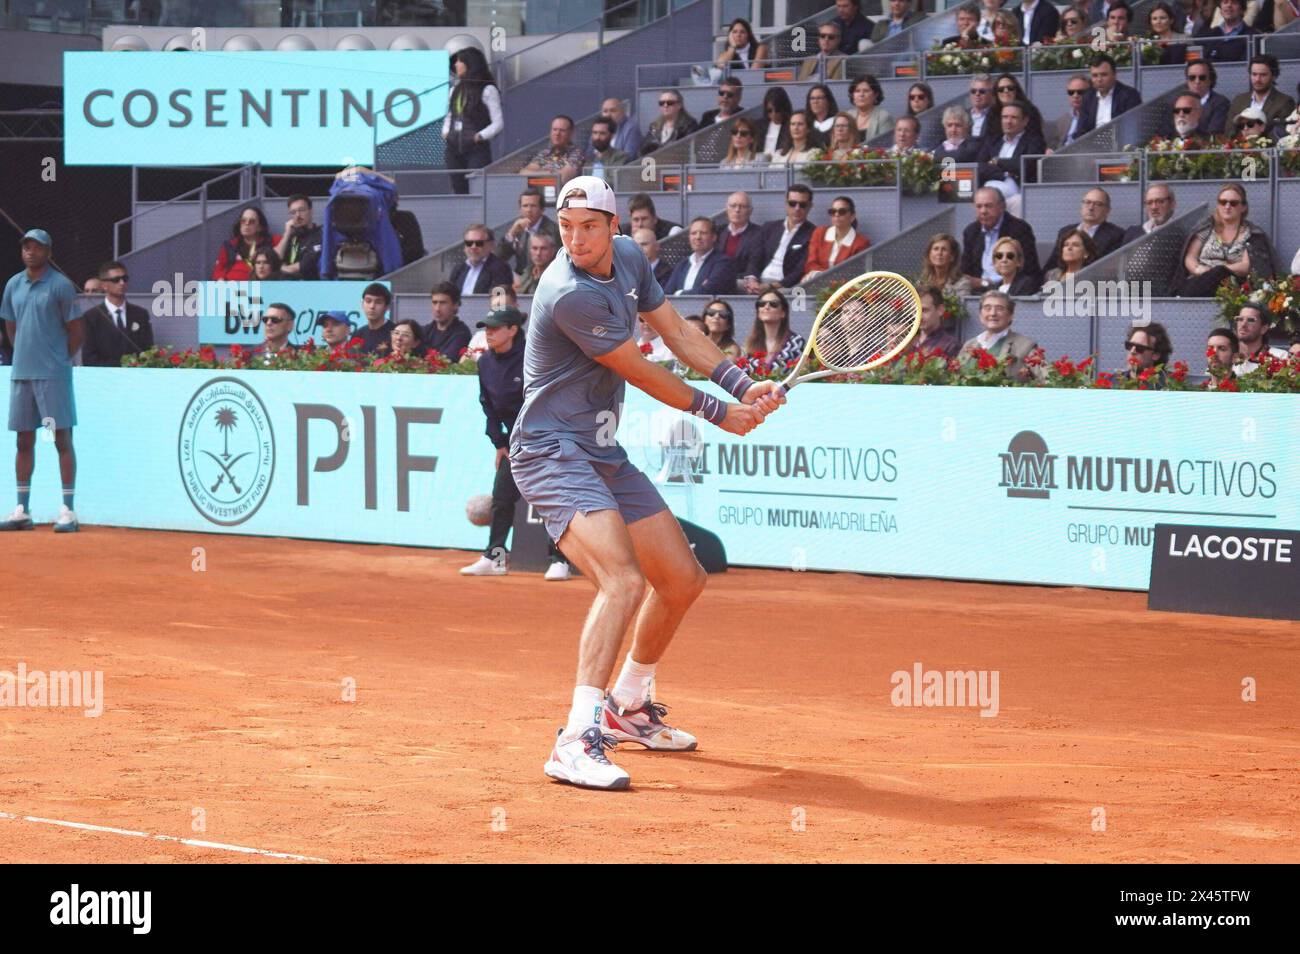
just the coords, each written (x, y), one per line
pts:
(231, 312)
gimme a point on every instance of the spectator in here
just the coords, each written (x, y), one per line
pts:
(782, 250)
(844, 138)
(266, 265)
(1066, 129)
(828, 63)
(706, 271)
(981, 104)
(854, 27)
(869, 116)
(959, 146)
(1108, 97)
(1159, 203)
(1264, 94)
(1227, 246)
(1006, 30)
(1037, 21)
(1074, 250)
(501, 296)
(901, 16)
(1148, 349)
(1072, 24)
(674, 122)
(513, 248)
(1221, 347)
(836, 242)
(602, 153)
(405, 339)
(249, 233)
(501, 394)
(641, 215)
(1009, 263)
(561, 156)
(771, 341)
(997, 309)
(741, 234)
(730, 91)
(697, 322)
(932, 335)
(992, 221)
(942, 268)
(299, 246)
(821, 107)
(743, 49)
(1119, 18)
(375, 301)
(652, 345)
(1173, 45)
(720, 326)
(627, 135)
(804, 141)
(650, 248)
(740, 151)
(473, 117)
(967, 35)
(446, 333)
(1227, 42)
(541, 252)
(335, 328)
(1201, 78)
(773, 136)
(1185, 116)
(1000, 158)
(989, 10)
(1251, 124)
(114, 328)
(920, 97)
(37, 309)
(481, 268)
(1094, 210)
(1254, 321)
(277, 327)
(94, 287)
(1008, 90)
(907, 130)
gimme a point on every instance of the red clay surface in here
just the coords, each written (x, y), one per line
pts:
(224, 693)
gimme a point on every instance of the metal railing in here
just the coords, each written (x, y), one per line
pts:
(247, 176)
(31, 124)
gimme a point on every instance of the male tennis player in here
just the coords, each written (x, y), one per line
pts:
(605, 514)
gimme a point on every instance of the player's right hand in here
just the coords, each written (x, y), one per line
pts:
(742, 418)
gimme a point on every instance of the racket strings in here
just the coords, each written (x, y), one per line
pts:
(865, 325)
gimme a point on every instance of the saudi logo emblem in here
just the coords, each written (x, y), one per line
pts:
(226, 451)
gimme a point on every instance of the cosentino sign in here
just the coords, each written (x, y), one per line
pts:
(299, 108)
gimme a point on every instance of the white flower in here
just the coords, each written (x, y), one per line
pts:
(1077, 54)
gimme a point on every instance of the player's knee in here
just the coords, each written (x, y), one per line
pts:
(26, 440)
(63, 441)
(626, 588)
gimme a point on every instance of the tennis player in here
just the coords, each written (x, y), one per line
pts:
(605, 514)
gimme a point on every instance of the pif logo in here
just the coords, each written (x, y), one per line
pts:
(226, 451)
(1027, 469)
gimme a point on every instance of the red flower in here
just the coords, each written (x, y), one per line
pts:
(176, 359)
(646, 347)
(986, 361)
(1179, 373)
(1209, 351)
(1105, 380)
(1228, 384)
(236, 350)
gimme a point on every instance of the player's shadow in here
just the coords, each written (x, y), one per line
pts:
(793, 786)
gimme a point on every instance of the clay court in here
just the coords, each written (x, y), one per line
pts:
(224, 692)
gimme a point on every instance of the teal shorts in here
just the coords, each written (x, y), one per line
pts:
(33, 403)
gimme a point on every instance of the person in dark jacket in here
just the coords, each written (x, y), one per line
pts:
(501, 393)
(114, 328)
(446, 333)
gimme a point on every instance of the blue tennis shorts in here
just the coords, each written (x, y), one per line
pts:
(560, 486)
(32, 403)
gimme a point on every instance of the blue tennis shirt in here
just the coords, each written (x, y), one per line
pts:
(40, 309)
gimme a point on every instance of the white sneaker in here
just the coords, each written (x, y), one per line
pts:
(484, 566)
(20, 519)
(559, 570)
(580, 760)
(66, 522)
(645, 726)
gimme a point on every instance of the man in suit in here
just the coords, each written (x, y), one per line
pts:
(992, 222)
(1108, 97)
(1227, 42)
(706, 271)
(999, 158)
(114, 328)
(782, 249)
(901, 16)
(738, 239)
(828, 52)
(853, 26)
(513, 246)
(1201, 78)
(996, 312)
(641, 214)
(729, 93)
(481, 268)
(1066, 129)
(1093, 212)
(981, 105)
(1038, 21)
(1264, 95)
(959, 145)
(1159, 203)
(650, 247)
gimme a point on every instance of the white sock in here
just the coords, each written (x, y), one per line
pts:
(585, 712)
(634, 682)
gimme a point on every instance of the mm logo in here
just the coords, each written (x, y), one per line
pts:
(1027, 469)
(226, 451)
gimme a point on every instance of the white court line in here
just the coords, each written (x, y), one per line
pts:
(192, 842)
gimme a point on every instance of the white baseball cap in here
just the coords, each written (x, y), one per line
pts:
(599, 195)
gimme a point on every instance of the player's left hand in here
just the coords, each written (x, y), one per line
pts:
(765, 394)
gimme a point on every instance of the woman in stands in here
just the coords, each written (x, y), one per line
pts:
(837, 241)
(1009, 263)
(266, 265)
(770, 341)
(740, 150)
(1173, 45)
(773, 136)
(989, 10)
(250, 234)
(720, 326)
(1072, 23)
(804, 141)
(473, 116)
(942, 266)
(920, 97)
(844, 138)
(743, 49)
(1074, 250)
(1007, 89)
(1227, 245)
(1006, 30)
(406, 339)
(871, 117)
(673, 122)
(821, 106)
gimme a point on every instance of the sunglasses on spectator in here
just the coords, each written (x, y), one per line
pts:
(272, 320)
(717, 313)
(1134, 346)
(770, 303)
(728, 93)
(742, 132)
(1231, 203)
(1003, 256)
(1006, 89)
(115, 279)
(795, 204)
(1183, 110)
(917, 96)
(1243, 123)
(980, 91)
(475, 243)
(667, 102)
(1075, 92)
(836, 210)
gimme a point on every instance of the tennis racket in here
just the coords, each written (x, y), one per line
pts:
(867, 322)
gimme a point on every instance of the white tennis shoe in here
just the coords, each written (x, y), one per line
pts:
(66, 522)
(20, 519)
(485, 566)
(559, 570)
(580, 759)
(645, 726)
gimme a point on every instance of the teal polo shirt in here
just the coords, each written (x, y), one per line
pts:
(41, 310)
